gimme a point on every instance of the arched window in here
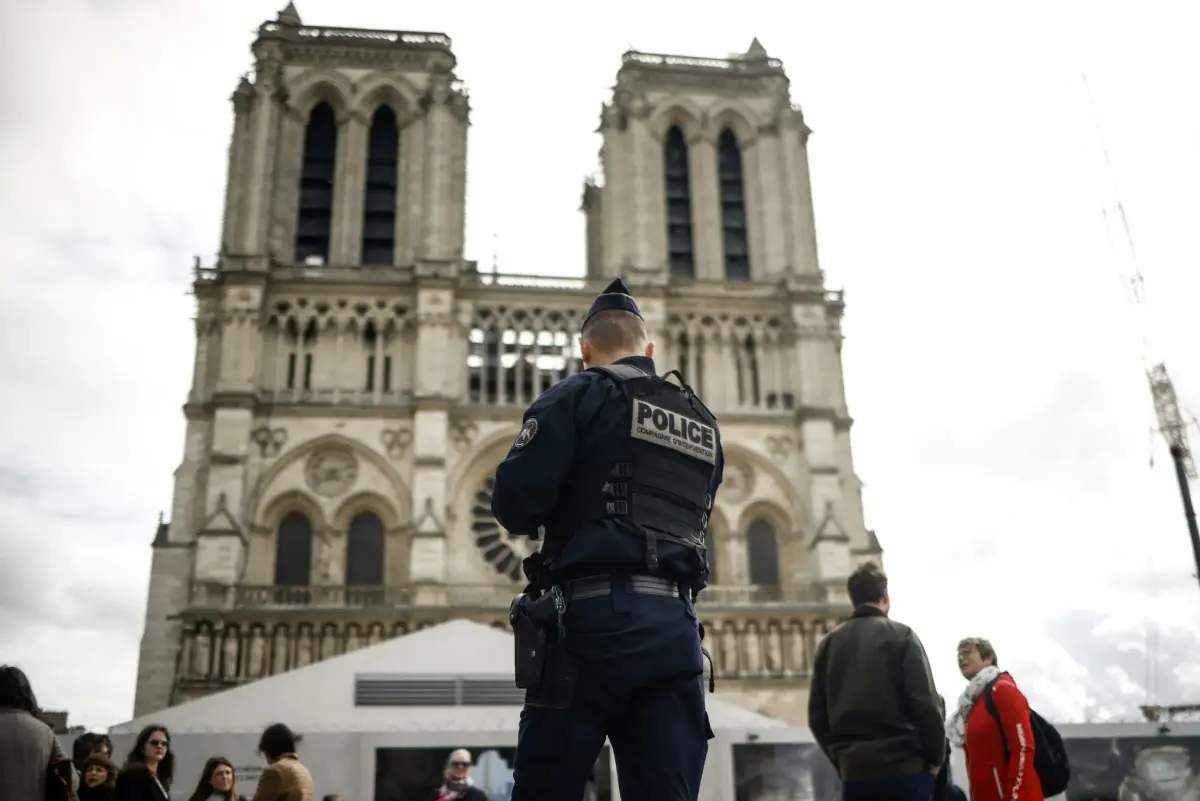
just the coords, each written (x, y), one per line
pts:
(293, 551)
(315, 222)
(679, 204)
(379, 207)
(762, 552)
(364, 551)
(733, 207)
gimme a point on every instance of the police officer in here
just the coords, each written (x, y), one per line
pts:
(615, 469)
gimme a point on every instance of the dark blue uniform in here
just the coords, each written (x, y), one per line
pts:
(638, 655)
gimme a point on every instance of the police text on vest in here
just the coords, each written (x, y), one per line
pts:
(672, 430)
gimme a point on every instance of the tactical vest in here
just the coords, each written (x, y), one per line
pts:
(661, 482)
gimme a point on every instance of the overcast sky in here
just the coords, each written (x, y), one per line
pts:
(1003, 425)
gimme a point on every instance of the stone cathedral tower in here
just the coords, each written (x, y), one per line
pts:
(357, 381)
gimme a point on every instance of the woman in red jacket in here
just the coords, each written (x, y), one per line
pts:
(999, 754)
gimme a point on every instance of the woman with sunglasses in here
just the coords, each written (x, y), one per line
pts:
(149, 768)
(457, 785)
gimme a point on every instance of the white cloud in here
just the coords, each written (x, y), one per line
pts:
(1002, 416)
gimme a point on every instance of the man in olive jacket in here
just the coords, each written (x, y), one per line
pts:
(873, 707)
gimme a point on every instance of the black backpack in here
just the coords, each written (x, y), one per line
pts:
(1049, 753)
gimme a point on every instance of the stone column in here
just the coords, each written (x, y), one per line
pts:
(239, 157)
(794, 137)
(445, 116)
(619, 188)
(773, 220)
(260, 176)
(752, 190)
(434, 397)
(706, 209)
(350, 163)
(410, 197)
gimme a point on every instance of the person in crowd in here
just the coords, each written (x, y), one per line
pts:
(990, 773)
(217, 782)
(944, 788)
(456, 784)
(32, 760)
(331, 797)
(87, 744)
(873, 707)
(150, 767)
(99, 781)
(285, 778)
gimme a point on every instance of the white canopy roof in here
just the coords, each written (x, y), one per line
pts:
(320, 698)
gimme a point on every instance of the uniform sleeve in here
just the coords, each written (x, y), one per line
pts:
(718, 474)
(818, 709)
(1013, 711)
(924, 702)
(529, 479)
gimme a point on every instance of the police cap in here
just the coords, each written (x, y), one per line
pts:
(615, 296)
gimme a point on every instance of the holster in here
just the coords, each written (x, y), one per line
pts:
(543, 667)
(529, 641)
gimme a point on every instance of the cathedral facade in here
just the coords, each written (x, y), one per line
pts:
(357, 380)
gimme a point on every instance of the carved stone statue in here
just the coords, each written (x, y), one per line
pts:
(256, 663)
(202, 654)
(729, 651)
(738, 560)
(279, 651)
(328, 642)
(773, 650)
(229, 652)
(752, 642)
(304, 647)
(329, 567)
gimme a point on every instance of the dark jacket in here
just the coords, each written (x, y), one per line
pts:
(134, 783)
(873, 707)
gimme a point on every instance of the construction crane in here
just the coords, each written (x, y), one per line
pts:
(1172, 423)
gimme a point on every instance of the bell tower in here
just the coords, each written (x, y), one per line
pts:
(705, 167)
(346, 180)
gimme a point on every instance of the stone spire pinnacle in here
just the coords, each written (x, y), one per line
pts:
(290, 16)
(756, 51)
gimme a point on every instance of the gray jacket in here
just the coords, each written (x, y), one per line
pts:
(27, 745)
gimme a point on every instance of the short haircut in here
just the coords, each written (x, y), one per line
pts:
(277, 740)
(615, 331)
(981, 645)
(86, 744)
(867, 585)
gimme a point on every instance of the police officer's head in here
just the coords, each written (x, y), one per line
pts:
(613, 328)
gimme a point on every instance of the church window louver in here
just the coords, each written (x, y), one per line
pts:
(314, 225)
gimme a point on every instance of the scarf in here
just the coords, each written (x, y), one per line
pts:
(452, 789)
(956, 727)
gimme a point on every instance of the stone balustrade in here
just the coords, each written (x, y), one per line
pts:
(212, 596)
(236, 634)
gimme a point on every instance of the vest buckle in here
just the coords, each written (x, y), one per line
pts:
(616, 507)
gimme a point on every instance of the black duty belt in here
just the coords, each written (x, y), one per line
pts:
(599, 586)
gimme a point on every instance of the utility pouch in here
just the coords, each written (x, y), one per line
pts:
(559, 675)
(530, 646)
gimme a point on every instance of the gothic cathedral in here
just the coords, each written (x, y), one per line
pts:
(357, 380)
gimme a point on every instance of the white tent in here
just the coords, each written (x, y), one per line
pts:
(321, 698)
